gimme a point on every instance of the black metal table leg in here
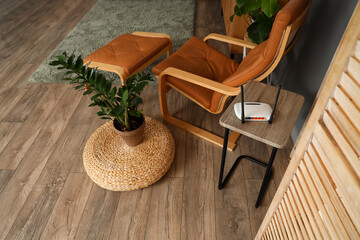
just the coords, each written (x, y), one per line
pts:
(267, 173)
(266, 177)
(223, 157)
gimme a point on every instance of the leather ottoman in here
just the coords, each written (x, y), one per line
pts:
(130, 53)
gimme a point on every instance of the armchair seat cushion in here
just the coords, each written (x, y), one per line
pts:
(196, 57)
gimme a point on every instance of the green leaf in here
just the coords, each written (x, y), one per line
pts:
(70, 61)
(79, 64)
(105, 118)
(259, 30)
(62, 59)
(73, 80)
(124, 98)
(138, 88)
(270, 7)
(107, 87)
(137, 101)
(252, 5)
(88, 92)
(241, 3)
(120, 92)
(92, 104)
(237, 11)
(78, 87)
(90, 75)
(54, 63)
(95, 96)
(112, 93)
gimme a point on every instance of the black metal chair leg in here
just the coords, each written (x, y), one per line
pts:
(266, 177)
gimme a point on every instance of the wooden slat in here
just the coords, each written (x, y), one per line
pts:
(342, 142)
(357, 50)
(271, 233)
(318, 202)
(284, 209)
(267, 236)
(354, 69)
(285, 222)
(292, 216)
(348, 107)
(336, 142)
(277, 226)
(330, 186)
(351, 88)
(303, 215)
(299, 181)
(333, 225)
(337, 166)
(279, 222)
(297, 215)
(313, 218)
(275, 229)
(347, 127)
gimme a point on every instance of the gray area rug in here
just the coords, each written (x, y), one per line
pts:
(110, 18)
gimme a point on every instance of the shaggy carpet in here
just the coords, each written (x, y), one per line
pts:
(110, 18)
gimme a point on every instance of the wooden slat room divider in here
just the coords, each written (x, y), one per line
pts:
(319, 195)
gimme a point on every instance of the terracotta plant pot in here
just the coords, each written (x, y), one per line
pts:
(133, 137)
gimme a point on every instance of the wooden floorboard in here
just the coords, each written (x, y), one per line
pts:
(15, 151)
(70, 206)
(98, 216)
(44, 190)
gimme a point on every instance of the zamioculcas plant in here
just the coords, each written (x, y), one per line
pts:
(261, 13)
(120, 104)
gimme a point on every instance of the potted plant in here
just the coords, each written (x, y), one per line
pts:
(261, 13)
(119, 104)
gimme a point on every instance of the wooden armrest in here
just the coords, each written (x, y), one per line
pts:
(201, 81)
(152, 34)
(231, 40)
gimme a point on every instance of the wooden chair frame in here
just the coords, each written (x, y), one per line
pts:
(121, 72)
(288, 39)
(165, 86)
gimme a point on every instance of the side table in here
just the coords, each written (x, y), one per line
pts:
(275, 134)
(115, 166)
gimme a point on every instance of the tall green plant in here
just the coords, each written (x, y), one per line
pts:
(118, 103)
(261, 13)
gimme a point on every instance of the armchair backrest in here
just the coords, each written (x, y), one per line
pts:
(261, 61)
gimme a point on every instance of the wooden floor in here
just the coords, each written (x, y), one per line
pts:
(44, 190)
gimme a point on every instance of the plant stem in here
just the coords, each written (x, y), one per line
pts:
(127, 123)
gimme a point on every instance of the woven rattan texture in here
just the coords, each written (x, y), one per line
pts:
(113, 165)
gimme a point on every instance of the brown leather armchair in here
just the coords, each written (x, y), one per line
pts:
(209, 78)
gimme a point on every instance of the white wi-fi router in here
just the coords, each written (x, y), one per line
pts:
(254, 111)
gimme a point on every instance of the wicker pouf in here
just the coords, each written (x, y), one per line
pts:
(113, 165)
